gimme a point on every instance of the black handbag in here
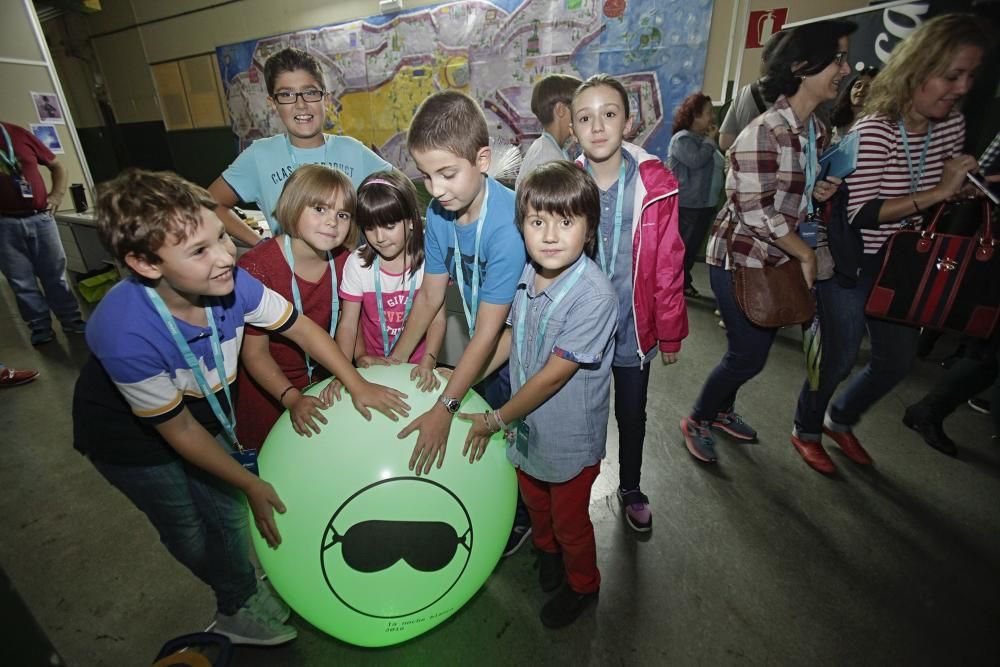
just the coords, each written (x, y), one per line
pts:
(940, 281)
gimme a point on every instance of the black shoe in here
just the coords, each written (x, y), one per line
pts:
(550, 570)
(563, 609)
(980, 405)
(519, 534)
(930, 430)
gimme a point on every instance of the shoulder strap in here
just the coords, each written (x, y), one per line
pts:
(758, 98)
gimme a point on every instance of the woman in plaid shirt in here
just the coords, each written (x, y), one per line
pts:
(771, 190)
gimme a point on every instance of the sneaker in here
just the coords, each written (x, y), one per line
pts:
(814, 455)
(930, 430)
(42, 336)
(565, 607)
(637, 512)
(75, 327)
(691, 292)
(698, 439)
(550, 570)
(850, 445)
(269, 603)
(733, 425)
(980, 405)
(11, 377)
(519, 534)
(250, 626)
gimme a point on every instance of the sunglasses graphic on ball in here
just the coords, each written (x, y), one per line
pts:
(372, 546)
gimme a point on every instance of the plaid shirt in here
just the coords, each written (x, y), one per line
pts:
(765, 188)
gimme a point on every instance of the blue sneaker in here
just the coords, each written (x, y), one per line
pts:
(699, 440)
(733, 425)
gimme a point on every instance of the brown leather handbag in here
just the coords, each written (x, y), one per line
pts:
(775, 296)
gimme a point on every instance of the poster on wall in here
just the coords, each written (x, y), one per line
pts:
(48, 135)
(48, 108)
(379, 69)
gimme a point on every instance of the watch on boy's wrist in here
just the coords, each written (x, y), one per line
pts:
(451, 404)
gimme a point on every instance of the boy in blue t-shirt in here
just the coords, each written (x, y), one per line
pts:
(152, 407)
(295, 90)
(472, 216)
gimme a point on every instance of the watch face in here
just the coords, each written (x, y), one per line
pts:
(451, 403)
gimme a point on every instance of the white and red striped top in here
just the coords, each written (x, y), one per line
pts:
(883, 173)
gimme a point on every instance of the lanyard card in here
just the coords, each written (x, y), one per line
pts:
(25, 187)
(248, 459)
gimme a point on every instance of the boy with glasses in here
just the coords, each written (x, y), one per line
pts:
(295, 90)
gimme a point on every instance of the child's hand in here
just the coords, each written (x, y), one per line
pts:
(434, 426)
(263, 501)
(331, 392)
(668, 358)
(445, 372)
(478, 437)
(386, 400)
(369, 360)
(305, 411)
(424, 375)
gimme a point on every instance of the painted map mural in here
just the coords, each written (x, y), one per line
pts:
(380, 68)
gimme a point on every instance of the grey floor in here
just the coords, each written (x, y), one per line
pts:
(758, 560)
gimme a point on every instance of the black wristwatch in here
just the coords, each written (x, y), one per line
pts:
(452, 404)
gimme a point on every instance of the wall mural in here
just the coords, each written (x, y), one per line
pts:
(380, 68)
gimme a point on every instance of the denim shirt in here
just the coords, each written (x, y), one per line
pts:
(568, 431)
(692, 159)
(625, 339)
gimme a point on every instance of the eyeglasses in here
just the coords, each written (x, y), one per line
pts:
(840, 58)
(288, 97)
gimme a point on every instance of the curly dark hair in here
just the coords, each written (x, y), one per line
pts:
(843, 112)
(691, 106)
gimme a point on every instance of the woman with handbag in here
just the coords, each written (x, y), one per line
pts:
(909, 160)
(761, 260)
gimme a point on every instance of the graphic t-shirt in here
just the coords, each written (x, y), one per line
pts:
(358, 286)
(259, 173)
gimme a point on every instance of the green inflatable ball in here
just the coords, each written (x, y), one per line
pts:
(372, 554)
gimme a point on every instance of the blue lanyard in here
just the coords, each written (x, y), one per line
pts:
(470, 315)
(297, 298)
(10, 158)
(543, 325)
(228, 422)
(617, 234)
(811, 166)
(386, 345)
(915, 176)
(557, 145)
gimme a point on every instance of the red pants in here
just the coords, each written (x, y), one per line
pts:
(560, 521)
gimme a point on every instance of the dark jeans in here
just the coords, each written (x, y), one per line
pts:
(201, 520)
(745, 356)
(631, 386)
(694, 224)
(971, 374)
(843, 324)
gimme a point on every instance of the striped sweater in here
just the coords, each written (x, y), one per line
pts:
(883, 173)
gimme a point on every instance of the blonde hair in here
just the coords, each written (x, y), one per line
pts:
(926, 53)
(315, 185)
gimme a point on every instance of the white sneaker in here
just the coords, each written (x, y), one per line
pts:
(268, 602)
(250, 626)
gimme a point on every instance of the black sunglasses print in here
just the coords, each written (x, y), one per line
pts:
(371, 546)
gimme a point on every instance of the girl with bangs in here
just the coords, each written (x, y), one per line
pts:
(304, 264)
(383, 277)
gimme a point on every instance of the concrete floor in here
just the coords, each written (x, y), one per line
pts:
(758, 560)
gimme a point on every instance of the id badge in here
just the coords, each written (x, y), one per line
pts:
(523, 433)
(248, 459)
(25, 187)
(808, 231)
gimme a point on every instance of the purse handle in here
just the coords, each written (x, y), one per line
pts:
(985, 232)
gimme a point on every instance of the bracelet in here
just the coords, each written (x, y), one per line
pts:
(486, 421)
(287, 389)
(500, 421)
(431, 354)
(913, 198)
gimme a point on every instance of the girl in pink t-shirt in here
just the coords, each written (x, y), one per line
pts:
(382, 277)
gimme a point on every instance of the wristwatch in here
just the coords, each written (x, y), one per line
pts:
(452, 404)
